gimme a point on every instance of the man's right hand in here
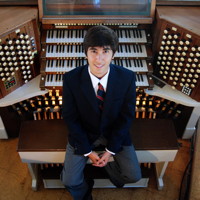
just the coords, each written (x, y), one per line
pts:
(94, 157)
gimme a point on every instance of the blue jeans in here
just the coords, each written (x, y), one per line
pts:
(125, 169)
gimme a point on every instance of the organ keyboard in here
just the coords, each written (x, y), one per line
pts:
(56, 80)
(64, 51)
(67, 36)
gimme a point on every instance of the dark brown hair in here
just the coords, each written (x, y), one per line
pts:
(100, 36)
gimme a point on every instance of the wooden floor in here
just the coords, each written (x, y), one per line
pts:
(15, 181)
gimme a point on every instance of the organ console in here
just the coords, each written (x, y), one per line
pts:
(158, 47)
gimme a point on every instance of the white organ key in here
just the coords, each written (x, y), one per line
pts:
(142, 80)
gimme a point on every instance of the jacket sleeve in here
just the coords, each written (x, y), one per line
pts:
(121, 126)
(71, 117)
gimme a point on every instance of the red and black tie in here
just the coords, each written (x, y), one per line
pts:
(100, 96)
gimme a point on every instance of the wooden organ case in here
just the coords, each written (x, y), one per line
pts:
(177, 52)
(19, 47)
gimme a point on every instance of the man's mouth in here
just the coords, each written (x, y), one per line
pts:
(99, 66)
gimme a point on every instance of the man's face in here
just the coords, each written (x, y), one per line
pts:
(99, 59)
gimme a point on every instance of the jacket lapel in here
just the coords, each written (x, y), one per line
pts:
(112, 90)
(88, 90)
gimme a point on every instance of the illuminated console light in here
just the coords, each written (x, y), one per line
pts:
(164, 77)
(181, 84)
(170, 78)
(179, 48)
(181, 42)
(167, 68)
(172, 47)
(184, 75)
(167, 47)
(179, 69)
(176, 78)
(194, 80)
(191, 54)
(188, 35)
(164, 37)
(174, 83)
(198, 48)
(168, 63)
(163, 63)
(172, 73)
(190, 75)
(187, 42)
(185, 48)
(173, 69)
(182, 59)
(189, 60)
(164, 58)
(198, 54)
(161, 48)
(198, 71)
(186, 70)
(192, 70)
(165, 31)
(175, 36)
(163, 42)
(169, 58)
(188, 80)
(193, 49)
(176, 59)
(168, 42)
(174, 28)
(196, 76)
(192, 86)
(180, 64)
(195, 60)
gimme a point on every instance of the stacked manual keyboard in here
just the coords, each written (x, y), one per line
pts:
(62, 51)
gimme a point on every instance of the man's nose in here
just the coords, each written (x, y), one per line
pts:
(99, 57)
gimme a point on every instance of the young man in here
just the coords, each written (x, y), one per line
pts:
(99, 117)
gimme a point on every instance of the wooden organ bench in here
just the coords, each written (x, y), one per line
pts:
(44, 141)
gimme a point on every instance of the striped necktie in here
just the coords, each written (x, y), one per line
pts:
(100, 96)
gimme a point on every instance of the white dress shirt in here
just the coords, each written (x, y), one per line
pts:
(95, 82)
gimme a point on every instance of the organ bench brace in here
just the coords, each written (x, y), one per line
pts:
(44, 141)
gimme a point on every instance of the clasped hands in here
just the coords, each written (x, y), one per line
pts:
(99, 160)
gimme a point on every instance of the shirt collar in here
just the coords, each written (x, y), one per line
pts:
(95, 80)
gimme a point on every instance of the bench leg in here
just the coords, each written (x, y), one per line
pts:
(33, 169)
(160, 171)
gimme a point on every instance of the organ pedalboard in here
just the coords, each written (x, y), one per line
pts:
(62, 51)
(18, 53)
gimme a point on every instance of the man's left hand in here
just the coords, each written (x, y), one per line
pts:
(104, 158)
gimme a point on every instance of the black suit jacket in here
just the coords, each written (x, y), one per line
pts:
(82, 115)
